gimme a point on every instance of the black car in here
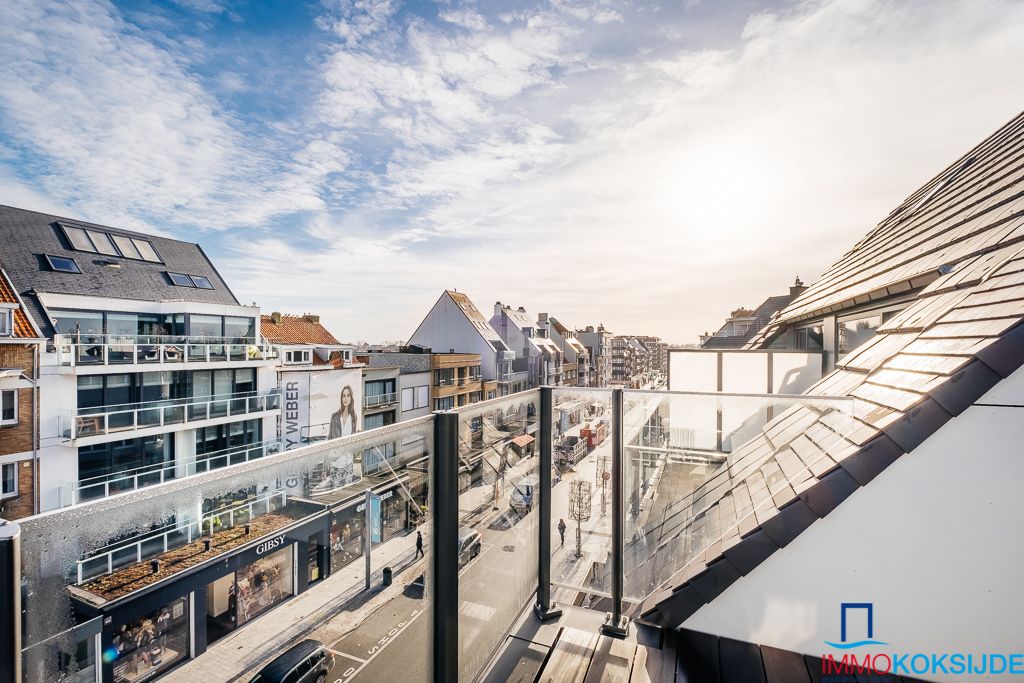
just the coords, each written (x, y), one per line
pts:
(307, 662)
(469, 545)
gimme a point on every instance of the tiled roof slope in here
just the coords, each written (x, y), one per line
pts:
(959, 336)
(295, 329)
(22, 326)
(26, 236)
(762, 316)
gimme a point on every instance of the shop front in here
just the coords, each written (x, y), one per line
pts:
(148, 632)
(348, 525)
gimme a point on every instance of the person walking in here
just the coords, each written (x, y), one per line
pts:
(561, 529)
(419, 546)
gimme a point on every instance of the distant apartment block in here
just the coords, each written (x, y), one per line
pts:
(743, 323)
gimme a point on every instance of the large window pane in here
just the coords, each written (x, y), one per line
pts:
(79, 240)
(205, 326)
(126, 246)
(78, 323)
(102, 242)
(240, 329)
(854, 332)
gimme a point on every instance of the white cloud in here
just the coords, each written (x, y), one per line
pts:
(658, 195)
(125, 132)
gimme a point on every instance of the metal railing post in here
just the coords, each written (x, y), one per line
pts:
(10, 603)
(444, 557)
(616, 624)
(544, 608)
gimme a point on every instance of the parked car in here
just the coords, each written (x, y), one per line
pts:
(469, 545)
(521, 499)
(307, 662)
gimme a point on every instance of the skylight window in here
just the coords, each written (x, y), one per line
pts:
(180, 279)
(62, 264)
(110, 244)
(183, 280)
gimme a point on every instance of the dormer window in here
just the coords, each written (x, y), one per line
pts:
(6, 322)
(298, 357)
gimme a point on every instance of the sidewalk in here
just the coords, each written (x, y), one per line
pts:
(236, 656)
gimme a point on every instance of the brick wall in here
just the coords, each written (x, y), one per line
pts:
(21, 505)
(18, 438)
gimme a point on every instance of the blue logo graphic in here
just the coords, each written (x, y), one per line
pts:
(843, 645)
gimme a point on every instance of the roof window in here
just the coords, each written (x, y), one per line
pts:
(183, 280)
(62, 264)
(110, 244)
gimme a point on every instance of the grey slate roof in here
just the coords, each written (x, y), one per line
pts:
(762, 316)
(956, 245)
(25, 236)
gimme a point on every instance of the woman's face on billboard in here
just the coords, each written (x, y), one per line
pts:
(346, 397)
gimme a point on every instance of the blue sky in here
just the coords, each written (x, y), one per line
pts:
(648, 165)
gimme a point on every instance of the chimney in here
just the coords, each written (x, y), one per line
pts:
(798, 288)
(498, 308)
(275, 317)
(522, 309)
(542, 317)
(312, 318)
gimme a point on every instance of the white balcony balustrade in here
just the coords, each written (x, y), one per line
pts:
(92, 350)
(380, 400)
(102, 420)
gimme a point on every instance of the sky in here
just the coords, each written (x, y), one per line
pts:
(646, 165)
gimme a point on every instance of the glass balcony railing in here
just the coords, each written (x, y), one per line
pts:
(678, 462)
(94, 488)
(103, 420)
(88, 350)
(113, 548)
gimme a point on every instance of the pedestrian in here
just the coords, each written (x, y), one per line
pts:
(561, 529)
(419, 546)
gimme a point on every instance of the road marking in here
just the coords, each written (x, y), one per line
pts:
(389, 638)
(346, 655)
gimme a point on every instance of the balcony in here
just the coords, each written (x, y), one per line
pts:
(100, 350)
(380, 400)
(104, 420)
(94, 488)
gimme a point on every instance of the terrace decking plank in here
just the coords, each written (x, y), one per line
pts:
(570, 658)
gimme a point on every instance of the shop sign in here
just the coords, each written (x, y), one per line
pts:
(267, 546)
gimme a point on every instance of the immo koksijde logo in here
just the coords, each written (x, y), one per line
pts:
(855, 659)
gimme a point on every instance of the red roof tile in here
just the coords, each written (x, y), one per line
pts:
(295, 329)
(22, 327)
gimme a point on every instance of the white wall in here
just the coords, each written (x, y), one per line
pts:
(446, 328)
(414, 380)
(935, 542)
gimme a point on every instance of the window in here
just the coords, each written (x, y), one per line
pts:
(408, 399)
(422, 396)
(852, 332)
(180, 279)
(110, 244)
(183, 280)
(298, 357)
(9, 407)
(62, 264)
(6, 322)
(446, 403)
(9, 480)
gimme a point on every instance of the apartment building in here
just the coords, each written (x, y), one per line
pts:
(630, 362)
(20, 346)
(455, 325)
(414, 379)
(538, 360)
(151, 368)
(316, 374)
(657, 352)
(598, 342)
(458, 380)
(576, 367)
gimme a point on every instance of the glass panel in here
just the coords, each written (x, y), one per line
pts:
(745, 372)
(79, 240)
(794, 373)
(498, 530)
(851, 333)
(146, 250)
(240, 329)
(102, 243)
(144, 647)
(263, 584)
(205, 326)
(677, 497)
(126, 246)
(693, 371)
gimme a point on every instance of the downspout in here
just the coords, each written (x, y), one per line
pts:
(35, 430)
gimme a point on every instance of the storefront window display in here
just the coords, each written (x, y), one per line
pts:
(263, 584)
(347, 528)
(147, 646)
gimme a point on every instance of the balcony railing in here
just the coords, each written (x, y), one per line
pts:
(86, 350)
(103, 420)
(380, 400)
(105, 560)
(94, 488)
